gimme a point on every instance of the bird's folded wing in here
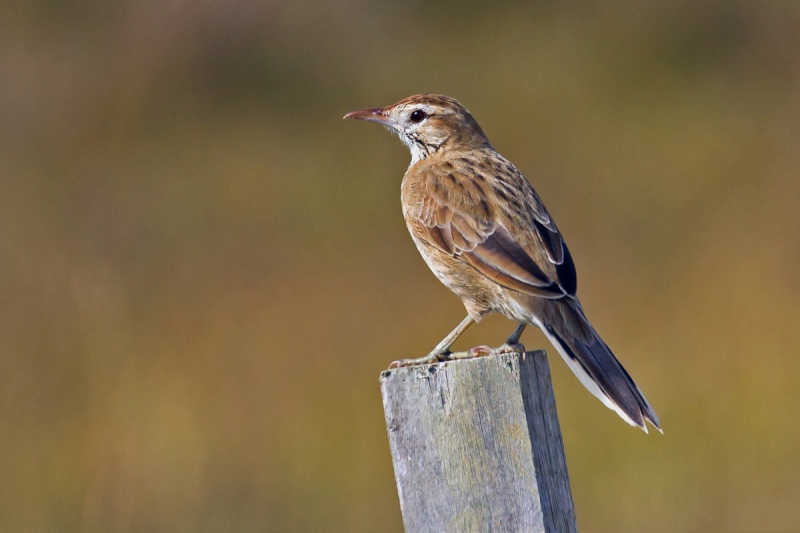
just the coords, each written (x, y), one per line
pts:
(461, 225)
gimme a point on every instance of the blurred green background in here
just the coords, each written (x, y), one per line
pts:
(203, 269)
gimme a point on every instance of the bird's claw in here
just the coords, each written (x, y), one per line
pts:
(429, 359)
(510, 347)
(483, 350)
(476, 351)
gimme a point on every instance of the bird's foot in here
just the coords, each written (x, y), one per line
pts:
(429, 359)
(483, 350)
(477, 351)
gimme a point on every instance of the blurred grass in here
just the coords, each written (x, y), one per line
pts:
(204, 269)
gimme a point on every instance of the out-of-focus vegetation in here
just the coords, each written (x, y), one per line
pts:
(203, 268)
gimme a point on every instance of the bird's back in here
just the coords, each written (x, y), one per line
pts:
(475, 192)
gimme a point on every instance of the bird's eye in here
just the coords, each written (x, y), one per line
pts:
(417, 116)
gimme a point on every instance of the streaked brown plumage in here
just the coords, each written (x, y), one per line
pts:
(486, 235)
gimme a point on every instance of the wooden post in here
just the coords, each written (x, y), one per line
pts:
(476, 446)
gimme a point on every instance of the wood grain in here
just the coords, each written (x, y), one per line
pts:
(476, 446)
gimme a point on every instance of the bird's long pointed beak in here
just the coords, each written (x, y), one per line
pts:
(372, 115)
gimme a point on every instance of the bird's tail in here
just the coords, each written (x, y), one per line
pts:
(597, 368)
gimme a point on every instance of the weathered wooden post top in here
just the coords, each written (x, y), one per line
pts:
(476, 446)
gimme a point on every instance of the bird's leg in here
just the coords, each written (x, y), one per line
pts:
(511, 345)
(514, 338)
(442, 350)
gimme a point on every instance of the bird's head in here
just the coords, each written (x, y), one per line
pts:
(427, 123)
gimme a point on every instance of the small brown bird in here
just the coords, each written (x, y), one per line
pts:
(485, 233)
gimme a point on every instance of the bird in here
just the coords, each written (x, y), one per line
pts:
(487, 236)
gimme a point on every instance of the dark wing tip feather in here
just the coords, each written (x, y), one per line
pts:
(567, 276)
(552, 242)
(559, 255)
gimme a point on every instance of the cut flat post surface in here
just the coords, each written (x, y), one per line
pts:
(476, 446)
